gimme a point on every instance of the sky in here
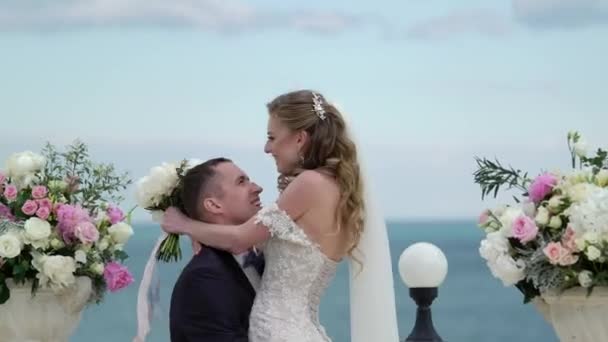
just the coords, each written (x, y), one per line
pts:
(426, 85)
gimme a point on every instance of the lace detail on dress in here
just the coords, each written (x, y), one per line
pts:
(281, 225)
(296, 275)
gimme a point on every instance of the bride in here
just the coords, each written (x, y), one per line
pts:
(322, 216)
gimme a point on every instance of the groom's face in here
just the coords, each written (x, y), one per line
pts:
(240, 198)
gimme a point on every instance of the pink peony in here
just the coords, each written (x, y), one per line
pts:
(524, 229)
(10, 192)
(68, 217)
(5, 212)
(117, 276)
(39, 191)
(43, 213)
(541, 187)
(115, 214)
(555, 252)
(86, 232)
(29, 207)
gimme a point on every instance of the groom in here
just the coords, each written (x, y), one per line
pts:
(213, 296)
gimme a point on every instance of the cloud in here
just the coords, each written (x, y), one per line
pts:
(475, 21)
(546, 14)
(211, 15)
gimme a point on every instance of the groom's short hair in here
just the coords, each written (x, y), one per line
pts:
(198, 183)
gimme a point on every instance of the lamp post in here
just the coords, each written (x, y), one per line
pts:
(423, 267)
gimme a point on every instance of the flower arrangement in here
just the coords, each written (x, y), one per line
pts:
(159, 190)
(555, 235)
(59, 220)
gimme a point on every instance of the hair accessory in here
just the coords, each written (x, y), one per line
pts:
(317, 106)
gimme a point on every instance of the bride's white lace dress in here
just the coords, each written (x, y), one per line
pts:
(286, 307)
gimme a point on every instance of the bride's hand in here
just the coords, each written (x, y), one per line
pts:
(174, 221)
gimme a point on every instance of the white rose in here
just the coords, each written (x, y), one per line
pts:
(56, 243)
(37, 232)
(80, 256)
(120, 232)
(55, 270)
(97, 268)
(508, 270)
(542, 216)
(593, 253)
(580, 148)
(601, 179)
(585, 278)
(10, 245)
(555, 222)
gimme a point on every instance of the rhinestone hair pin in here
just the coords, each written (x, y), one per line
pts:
(317, 106)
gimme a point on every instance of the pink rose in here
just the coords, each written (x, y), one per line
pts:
(45, 202)
(541, 187)
(39, 191)
(568, 259)
(29, 207)
(483, 217)
(554, 252)
(43, 213)
(115, 214)
(568, 240)
(5, 212)
(117, 276)
(86, 232)
(524, 229)
(10, 192)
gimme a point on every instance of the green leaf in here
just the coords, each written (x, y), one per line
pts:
(120, 255)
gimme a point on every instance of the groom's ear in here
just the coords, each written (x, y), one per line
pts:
(212, 205)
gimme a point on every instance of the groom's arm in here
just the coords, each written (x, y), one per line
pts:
(207, 312)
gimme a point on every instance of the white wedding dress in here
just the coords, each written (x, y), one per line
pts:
(296, 275)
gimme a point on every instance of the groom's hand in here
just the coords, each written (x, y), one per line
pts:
(174, 221)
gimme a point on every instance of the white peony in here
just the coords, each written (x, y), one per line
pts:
(585, 278)
(494, 245)
(10, 245)
(508, 270)
(21, 167)
(56, 271)
(37, 232)
(120, 232)
(591, 214)
(159, 183)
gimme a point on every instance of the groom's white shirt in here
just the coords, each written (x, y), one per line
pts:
(250, 272)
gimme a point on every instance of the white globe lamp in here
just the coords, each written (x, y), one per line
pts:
(423, 268)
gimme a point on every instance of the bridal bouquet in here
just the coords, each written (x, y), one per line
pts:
(57, 223)
(159, 190)
(555, 235)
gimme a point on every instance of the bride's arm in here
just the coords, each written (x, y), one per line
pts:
(295, 200)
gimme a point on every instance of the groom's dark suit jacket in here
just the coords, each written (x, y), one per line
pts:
(211, 300)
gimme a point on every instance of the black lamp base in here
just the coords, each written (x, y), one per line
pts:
(423, 329)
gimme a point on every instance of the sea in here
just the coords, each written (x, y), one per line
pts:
(471, 305)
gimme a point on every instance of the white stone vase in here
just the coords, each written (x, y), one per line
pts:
(45, 317)
(576, 316)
